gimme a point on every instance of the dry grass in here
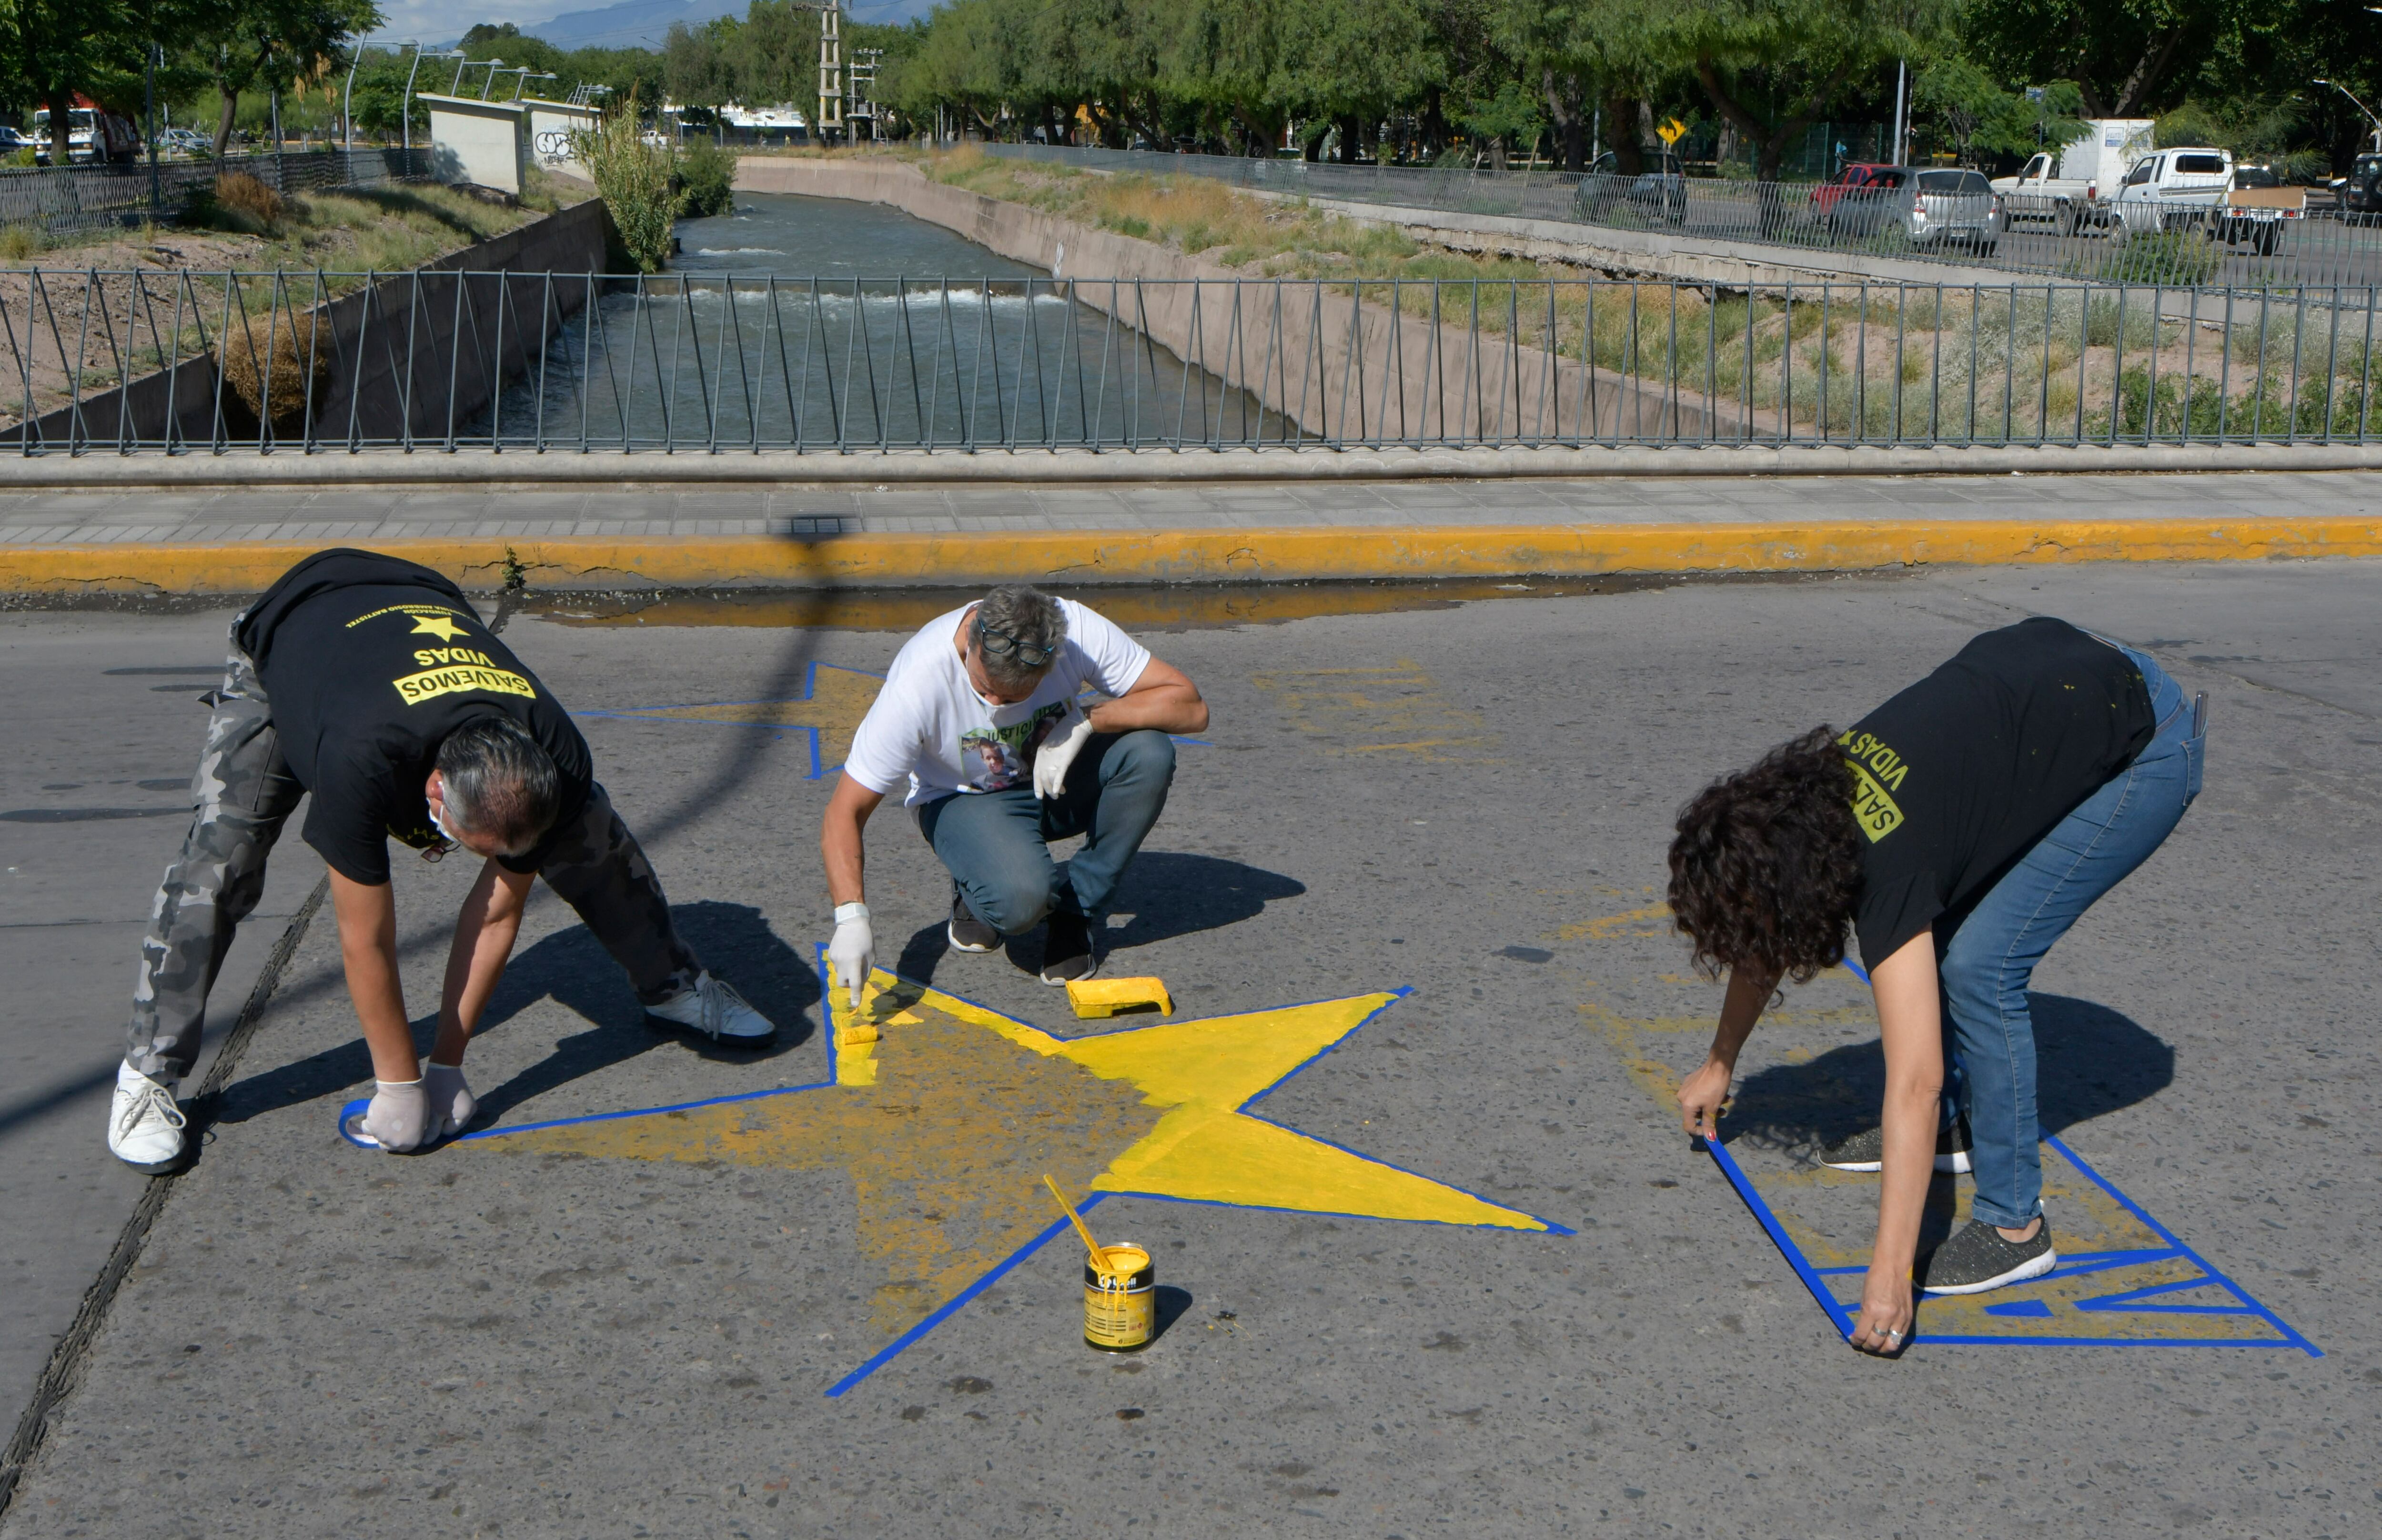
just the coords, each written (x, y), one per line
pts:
(1992, 366)
(131, 283)
(375, 229)
(269, 364)
(241, 198)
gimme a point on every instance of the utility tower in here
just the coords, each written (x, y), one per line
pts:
(863, 82)
(831, 84)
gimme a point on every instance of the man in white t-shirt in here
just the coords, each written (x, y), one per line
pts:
(980, 716)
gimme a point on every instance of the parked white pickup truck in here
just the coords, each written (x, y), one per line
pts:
(2257, 209)
(2174, 190)
(2071, 187)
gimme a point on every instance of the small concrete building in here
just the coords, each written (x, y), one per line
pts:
(486, 143)
(551, 125)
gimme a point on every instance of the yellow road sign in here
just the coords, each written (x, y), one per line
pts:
(1671, 130)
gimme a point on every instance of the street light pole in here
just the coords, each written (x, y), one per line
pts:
(405, 108)
(348, 96)
(2370, 119)
(149, 120)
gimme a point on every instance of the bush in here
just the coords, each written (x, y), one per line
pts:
(241, 193)
(634, 180)
(275, 391)
(2184, 257)
(238, 202)
(706, 175)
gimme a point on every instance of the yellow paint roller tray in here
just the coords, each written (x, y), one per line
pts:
(1109, 997)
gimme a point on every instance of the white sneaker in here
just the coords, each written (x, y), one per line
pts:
(715, 1009)
(144, 1127)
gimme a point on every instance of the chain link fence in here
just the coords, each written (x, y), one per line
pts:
(2060, 237)
(63, 200)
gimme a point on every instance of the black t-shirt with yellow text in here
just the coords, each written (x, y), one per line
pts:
(370, 662)
(1959, 776)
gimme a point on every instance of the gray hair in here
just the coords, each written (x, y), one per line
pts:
(500, 781)
(1026, 615)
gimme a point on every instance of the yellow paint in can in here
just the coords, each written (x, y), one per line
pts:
(1120, 1299)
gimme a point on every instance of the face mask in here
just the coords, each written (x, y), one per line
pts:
(438, 816)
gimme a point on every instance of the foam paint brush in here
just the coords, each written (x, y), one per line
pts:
(1090, 1245)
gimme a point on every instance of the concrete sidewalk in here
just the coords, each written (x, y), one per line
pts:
(396, 513)
(229, 542)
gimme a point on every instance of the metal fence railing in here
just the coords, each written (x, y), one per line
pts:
(187, 362)
(2033, 235)
(59, 199)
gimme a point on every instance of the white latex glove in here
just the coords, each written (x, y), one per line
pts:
(853, 951)
(1059, 752)
(398, 1118)
(452, 1107)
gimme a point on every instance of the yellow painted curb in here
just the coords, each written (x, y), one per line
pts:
(1218, 556)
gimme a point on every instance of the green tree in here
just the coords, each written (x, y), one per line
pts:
(267, 46)
(59, 49)
(509, 43)
(959, 65)
(1769, 68)
(1586, 53)
(1980, 118)
(2126, 56)
(1218, 61)
(1347, 66)
(695, 62)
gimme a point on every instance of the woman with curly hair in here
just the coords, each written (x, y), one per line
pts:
(1958, 830)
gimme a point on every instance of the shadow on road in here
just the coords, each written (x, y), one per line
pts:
(2090, 1060)
(570, 967)
(1168, 893)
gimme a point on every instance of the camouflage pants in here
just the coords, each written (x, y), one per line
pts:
(242, 795)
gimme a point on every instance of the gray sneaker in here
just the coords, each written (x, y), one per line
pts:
(969, 933)
(1979, 1259)
(1866, 1151)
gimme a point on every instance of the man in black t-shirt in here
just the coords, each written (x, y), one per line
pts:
(1960, 830)
(371, 684)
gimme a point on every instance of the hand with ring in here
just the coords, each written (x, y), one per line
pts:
(1883, 1323)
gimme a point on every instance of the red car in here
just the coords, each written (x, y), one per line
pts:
(1875, 176)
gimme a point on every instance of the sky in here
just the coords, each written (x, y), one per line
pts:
(433, 21)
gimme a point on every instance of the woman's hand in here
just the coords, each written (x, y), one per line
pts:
(1701, 1096)
(1703, 1092)
(1883, 1323)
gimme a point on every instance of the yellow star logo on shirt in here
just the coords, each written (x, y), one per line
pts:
(439, 626)
(948, 1118)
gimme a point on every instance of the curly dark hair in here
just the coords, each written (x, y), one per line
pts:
(1767, 865)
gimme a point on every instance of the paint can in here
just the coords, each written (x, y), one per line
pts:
(1120, 1299)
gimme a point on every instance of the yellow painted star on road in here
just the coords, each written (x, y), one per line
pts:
(439, 626)
(948, 1119)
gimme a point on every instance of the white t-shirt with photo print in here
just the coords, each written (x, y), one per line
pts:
(928, 724)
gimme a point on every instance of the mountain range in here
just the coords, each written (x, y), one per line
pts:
(643, 23)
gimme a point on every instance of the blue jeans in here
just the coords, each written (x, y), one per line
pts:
(1988, 960)
(997, 843)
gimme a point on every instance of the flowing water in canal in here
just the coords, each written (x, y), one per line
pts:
(821, 323)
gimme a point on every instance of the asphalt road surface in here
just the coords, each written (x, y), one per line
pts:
(1456, 1273)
